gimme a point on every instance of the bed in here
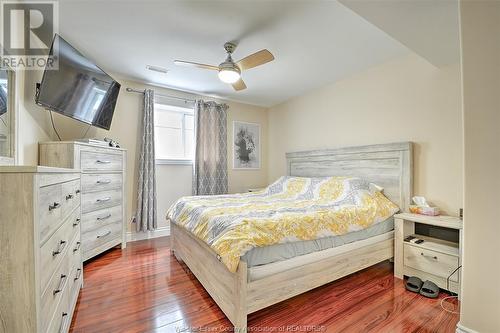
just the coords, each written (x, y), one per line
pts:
(258, 280)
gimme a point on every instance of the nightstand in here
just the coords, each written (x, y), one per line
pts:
(437, 257)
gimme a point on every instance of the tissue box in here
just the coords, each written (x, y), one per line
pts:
(423, 210)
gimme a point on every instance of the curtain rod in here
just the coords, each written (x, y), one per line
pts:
(161, 95)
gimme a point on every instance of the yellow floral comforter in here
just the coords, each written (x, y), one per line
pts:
(291, 209)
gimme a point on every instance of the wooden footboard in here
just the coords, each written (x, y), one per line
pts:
(227, 289)
(263, 292)
(237, 297)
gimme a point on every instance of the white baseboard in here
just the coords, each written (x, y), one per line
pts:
(462, 329)
(133, 236)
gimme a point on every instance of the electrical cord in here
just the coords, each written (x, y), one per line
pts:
(452, 296)
(57, 133)
(85, 134)
(448, 310)
(448, 280)
(54, 126)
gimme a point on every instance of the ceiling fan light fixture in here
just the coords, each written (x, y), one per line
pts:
(229, 75)
(230, 71)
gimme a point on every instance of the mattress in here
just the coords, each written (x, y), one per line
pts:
(290, 209)
(263, 271)
(278, 252)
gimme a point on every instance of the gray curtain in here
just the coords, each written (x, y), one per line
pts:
(146, 200)
(210, 162)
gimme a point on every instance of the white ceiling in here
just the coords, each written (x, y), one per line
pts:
(429, 28)
(314, 42)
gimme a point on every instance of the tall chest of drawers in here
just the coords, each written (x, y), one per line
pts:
(103, 183)
(40, 248)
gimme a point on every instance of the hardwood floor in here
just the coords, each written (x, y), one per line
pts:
(144, 289)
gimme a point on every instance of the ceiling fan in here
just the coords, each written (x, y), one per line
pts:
(230, 71)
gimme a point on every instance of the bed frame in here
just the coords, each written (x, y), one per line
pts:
(388, 165)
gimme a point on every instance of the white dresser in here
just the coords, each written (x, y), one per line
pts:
(103, 183)
(40, 248)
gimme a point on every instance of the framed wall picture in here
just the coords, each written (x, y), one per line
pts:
(246, 145)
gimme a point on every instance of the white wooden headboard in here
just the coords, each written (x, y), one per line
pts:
(388, 165)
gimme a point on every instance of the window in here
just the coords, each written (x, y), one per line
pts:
(174, 134)
(3, 85)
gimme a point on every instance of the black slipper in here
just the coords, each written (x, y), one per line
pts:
(414, 284)
(429, 289)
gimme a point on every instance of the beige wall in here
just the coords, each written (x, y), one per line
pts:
(173, 181)
(33, 122)
(480, 31)
(241, 180)
(405, 99)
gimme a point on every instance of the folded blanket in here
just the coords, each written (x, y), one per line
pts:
(291, 209)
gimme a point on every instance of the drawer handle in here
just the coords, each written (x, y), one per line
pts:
(104, 181)
(430, 257)
(102, 162)
(69, 196)
(77, 191)
(104, 235)
(105, 217)
(77, 247)
(64, 323)
(103, 200)
(77, 222)
(54, 206)
(60, 248)
(78, 274)
(61, 284)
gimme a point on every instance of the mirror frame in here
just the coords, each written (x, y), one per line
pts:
(12, 108)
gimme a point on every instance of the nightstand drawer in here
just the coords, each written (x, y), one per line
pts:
(429, 261)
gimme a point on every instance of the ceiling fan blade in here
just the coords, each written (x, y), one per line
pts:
(256, 59)
(195, 64)
(239, 85)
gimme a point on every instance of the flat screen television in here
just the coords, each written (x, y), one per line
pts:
(78, 88)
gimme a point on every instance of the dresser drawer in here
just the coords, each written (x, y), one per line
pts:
(55, 203)
(70, 196)
(75, 269)
(61, 321)
(75, 252)
(49, 210)
(75, 282)
(100, 161)
(54, 250)
(95, 220)
(429, 261)
(99, 200)
(95, 238)
(55, 292)
(101, 182)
